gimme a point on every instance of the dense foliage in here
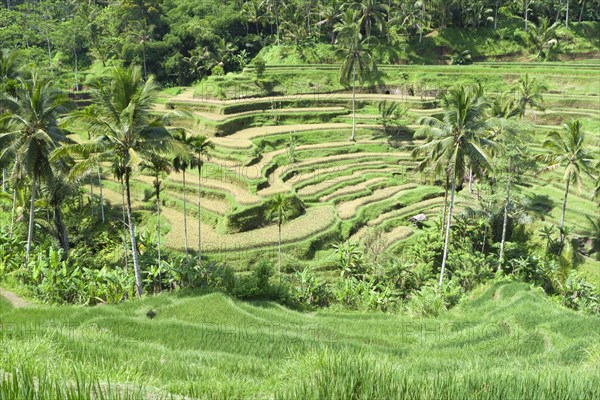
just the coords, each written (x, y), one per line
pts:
(182, 41)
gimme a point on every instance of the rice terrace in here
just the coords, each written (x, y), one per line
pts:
(268, 199)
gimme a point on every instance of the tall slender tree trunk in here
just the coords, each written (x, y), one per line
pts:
(124, 227)
(185, 230)
(144, 57)
(448, 223)
(158, 219)
(559, 10)
(581, 11)
(134, 254)
(4, 180)
(76, 71)
(446, 189)
(61, 232)
(101, 195)
(199, 220)
(505, 220)
(526, 14)
(31, 216)
(567, 16)
(496, 14)
(279, 249)
(277, 21)
(12, 216)
(422, 20)
(564, 210)
(471, 180)
(92, 196)
(353, 103)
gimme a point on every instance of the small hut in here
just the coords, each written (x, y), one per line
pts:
(418, 220)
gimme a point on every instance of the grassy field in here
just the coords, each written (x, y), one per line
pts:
(507, 341)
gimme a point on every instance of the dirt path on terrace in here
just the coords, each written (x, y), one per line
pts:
(14, 299)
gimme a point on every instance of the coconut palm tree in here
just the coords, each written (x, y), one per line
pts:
(142, 33)
(200, 147)
(529, 92)
(457, 141)
(180, 164)
(372, 13)
(32, 132)
(357, 61)
(278, 210)
(124, 131)
(542, 35)
(158, 166)
(567, 150)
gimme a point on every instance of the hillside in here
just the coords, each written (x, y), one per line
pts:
(507, 340)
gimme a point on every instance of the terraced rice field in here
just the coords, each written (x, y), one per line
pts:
(348, 187)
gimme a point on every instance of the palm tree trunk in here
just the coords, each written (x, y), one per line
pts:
(504, 222)
(134, 254)
(61, 232)
(158, 219)
(564, 210)
(567, 16)
(496, 14)
(353, 103)
(185, 231)
(471, 180)
(144, 57)
(4, 179)
(31, 216)
(92, 196)
(526, 14)
(279, 250)
(446, 189)
(124, 228)
(581, 11)
(448, 223)
(101, 196)
(199, 220)
(76, 71)
(12, 217)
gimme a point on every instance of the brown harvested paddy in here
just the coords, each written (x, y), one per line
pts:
(406, 211)
(223, 117)
(398, 233)
(276, 184)
(316, 220)
(317, 187)
(242, 139)
(188, 96)
(348, 209)
(359, 187)
(239, 193)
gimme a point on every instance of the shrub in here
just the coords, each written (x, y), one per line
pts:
(427, 302)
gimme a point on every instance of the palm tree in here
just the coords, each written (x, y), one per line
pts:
(372, 12)
(542, 35)
(529, 92)
(181, 164)
(124, 132)
(32, 132)
(253, 15)
(568, 150)
(200, 147)
(278, 210)
(456, 140)
(157, 166)
(57, 190)
(512, 159)
(357, 61)
(142, 33)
